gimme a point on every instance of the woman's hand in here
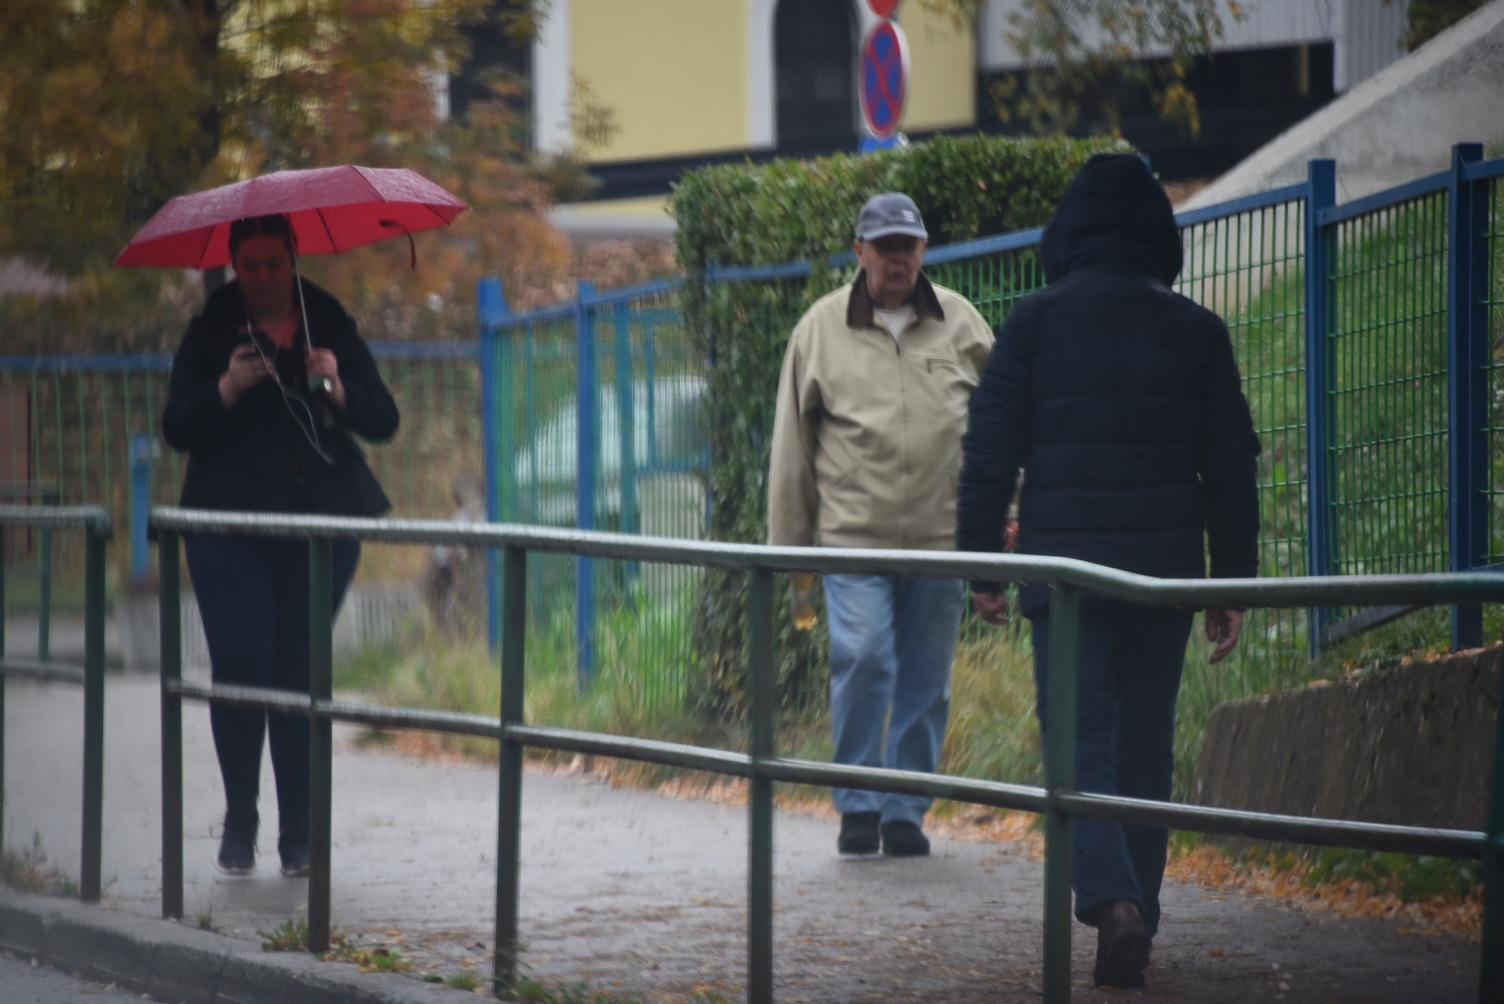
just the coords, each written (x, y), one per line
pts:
(323, 365)
(246, 369)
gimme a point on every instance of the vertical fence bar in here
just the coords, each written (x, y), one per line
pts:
(760, 795)
(626, 424)
(1468, 356)
(93, 815)
(1320, 246)
(1061, 678)
(1491, 977)
(490, 308)
(169, 613)
(141, 450)
(586, 442)
(509, 798)
(320, 739)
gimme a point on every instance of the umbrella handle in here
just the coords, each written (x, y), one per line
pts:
(412, 245)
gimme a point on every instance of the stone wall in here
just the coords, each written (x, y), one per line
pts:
(1410, 745)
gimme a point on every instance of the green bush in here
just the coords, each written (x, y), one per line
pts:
(786, 211)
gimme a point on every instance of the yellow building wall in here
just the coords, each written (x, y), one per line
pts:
(943, 67)
(672, 72)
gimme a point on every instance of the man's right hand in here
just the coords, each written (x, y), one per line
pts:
(1222, 630)
(245, 370)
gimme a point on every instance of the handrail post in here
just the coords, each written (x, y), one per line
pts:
(169, 615)
(509, 800)
(1468, 356)
(1061, 676)
(44, 597)
(1491, 977)
(1320, 374)
(760, 794)
(509, 796)
(93, 814)
(2, 688)
(320, 739)
(587, 440)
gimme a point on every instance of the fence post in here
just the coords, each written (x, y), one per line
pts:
(1320, 539)
(142, 448)
(586, 443)
(491, 307)
(320, 738)
(93, 815)
(1467, 359)
(509, 804)
(50, 496)
(1061, 677)
(760, 793)
(169, 613)
(1491, 978)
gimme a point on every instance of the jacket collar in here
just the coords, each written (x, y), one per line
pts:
(859, 304)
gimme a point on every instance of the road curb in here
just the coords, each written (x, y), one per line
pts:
(184, 965)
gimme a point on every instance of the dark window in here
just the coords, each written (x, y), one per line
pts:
(501, 52)
(814, 53)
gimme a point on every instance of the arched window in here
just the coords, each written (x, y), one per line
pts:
(814, 54)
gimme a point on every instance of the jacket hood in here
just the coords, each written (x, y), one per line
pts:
(1113, 212)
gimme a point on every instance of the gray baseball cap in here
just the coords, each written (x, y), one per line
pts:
(887, 214)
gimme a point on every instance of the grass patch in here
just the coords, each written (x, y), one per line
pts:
(29, 870)
(292, 936)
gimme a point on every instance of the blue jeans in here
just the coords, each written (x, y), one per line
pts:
(1131, 658)
(892, 639)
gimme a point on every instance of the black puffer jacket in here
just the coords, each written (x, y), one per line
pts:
(254, 456)
(1118, 397)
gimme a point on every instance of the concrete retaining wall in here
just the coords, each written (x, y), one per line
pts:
(1411, 745)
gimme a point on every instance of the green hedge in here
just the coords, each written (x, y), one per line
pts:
(966, 187)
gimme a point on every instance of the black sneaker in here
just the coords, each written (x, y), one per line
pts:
(902, 839)
(294, 850)
(237, 846)
(859, 833)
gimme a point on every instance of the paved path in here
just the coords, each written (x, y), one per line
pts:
(637, 892)
(22, 982)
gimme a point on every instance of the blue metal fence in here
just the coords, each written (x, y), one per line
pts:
(1363, 331)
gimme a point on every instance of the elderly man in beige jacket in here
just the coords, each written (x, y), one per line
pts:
(872, 404)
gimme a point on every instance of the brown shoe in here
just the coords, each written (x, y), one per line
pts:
(1123, 945)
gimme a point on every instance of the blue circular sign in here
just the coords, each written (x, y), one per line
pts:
(884, 73)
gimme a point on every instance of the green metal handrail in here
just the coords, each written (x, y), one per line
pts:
(94, 521)
(1058, 800)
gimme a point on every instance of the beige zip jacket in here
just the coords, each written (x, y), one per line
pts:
(867, 434)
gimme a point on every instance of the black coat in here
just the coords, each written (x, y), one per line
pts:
(1119, 398)
(255, 457)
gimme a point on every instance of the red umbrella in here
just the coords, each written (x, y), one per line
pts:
(332, 209)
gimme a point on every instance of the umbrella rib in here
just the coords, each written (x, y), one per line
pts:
(333, 247)
(369, 183)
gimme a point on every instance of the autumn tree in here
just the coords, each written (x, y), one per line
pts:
(110, 107)
(1084, 57)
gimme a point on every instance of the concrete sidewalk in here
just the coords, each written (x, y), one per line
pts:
(634, 892)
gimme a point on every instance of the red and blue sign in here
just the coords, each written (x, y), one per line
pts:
(883, 75)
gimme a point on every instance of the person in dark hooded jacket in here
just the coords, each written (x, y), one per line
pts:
(1122, 401)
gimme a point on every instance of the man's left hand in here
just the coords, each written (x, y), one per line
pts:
(991, 607)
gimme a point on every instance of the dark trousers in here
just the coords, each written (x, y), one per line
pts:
(253, 597)
(1131, 659)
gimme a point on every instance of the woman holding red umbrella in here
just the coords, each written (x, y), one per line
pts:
(269, 390)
